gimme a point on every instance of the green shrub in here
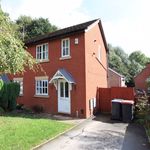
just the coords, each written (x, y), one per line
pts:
(1, 110)
(19, 106)
(4, 97)
(9, 93)
(1, 87)
(27, 110)
(38, 109)
(143, 110)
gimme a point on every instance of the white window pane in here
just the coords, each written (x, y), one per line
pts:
(46, 54)
(42, 87)
(43, 48)
(67, 51)
(63, 43)
(42, 52)
(65, 47)
(21, 87)
(46, 90)
(64, 51)
(66, 89)
(38, 56)
(61, 89)
(67, 43)
(46, 47)
(37, 83)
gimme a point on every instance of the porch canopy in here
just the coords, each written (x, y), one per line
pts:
(62, 74)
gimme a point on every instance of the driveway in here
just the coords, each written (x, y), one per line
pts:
(101, 133)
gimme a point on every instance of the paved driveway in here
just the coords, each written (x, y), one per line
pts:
(101, 133)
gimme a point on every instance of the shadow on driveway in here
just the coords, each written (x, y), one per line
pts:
(105, 118)
(135, 138)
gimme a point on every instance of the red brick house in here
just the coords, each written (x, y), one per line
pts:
(115, 79)
(75, 64)
(140, 79)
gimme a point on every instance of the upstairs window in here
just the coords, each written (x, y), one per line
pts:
(65, 47)
(42, 52)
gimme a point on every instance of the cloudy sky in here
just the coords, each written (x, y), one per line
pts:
(126, 23)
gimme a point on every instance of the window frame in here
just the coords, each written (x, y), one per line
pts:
(41, 86)
(20, 81)
(40, 52)
(64, 47)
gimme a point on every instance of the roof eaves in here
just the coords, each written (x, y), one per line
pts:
(62, 32)
(103, 36)
(52, 38)
(115, 72)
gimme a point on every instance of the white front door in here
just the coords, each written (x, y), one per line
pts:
(63, 97)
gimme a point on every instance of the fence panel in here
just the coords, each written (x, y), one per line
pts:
(107, 94)
(104, 99)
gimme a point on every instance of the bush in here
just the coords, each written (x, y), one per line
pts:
(4, 97)
(8, 95)
(38, 109)
(1, 87)
(143, 111)
(1, 110)
(27, 110)
(20, 106)
(13, 89)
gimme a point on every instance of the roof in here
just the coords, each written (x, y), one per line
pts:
(5, 78)
(62, 74)
(115, 72)
(79, 28)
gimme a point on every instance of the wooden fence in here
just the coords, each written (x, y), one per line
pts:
(105, 95)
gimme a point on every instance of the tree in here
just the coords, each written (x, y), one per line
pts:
(139, 57)
(129, 66)
(29, 27)
(13, 56)
(118, 60)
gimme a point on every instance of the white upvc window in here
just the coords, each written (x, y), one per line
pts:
(65, 47)
(42, 52)
(20, 81)
(41, 87)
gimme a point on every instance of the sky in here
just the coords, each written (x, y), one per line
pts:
(126, 23)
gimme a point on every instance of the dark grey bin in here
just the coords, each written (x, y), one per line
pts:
(127, 110)
(116, 110)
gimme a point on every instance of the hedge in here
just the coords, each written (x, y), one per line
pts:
(8, 95)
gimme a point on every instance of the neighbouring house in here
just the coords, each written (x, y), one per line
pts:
(115, 79)
(140, 79)
(74, 60)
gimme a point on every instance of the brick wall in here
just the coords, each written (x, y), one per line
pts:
(140, 79)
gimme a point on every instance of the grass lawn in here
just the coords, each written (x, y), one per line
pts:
(25, 132)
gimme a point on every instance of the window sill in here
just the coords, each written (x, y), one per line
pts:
(42, 61)
(64, 58)
(41, 96)
(20, 95)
